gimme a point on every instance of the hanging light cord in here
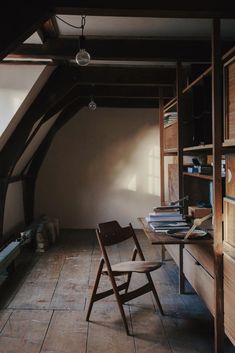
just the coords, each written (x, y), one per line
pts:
(83, 22)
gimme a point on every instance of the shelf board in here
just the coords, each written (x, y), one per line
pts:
(198, 79)
(170, 151)
(229, 143)
(170, 124)
(170, 104)
(198, 148)
(200, 176)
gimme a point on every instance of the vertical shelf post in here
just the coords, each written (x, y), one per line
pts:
(217, 182)
(161, 131)
(179, 93)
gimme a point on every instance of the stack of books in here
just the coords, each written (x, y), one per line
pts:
(167, 218)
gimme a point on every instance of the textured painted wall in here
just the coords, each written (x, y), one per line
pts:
(102, 165)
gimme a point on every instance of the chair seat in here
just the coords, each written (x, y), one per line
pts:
(133, 266)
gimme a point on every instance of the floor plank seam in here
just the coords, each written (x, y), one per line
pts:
(44, 338)
(6, 322)
(89, 275)
(57, 281)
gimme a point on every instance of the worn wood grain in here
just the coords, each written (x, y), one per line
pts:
(67, 333)
(71, 268)
(25, 331)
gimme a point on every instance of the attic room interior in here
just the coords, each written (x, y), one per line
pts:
(117, 125)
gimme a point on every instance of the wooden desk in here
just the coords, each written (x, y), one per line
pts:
(164, 239)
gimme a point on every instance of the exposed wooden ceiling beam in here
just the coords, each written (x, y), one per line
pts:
(151, 8)
(122, 91)
(18, 22)
(121, 102)
(118, 76)
(104, 48)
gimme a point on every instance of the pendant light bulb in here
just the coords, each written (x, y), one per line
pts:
(83, 57)
(92, 104)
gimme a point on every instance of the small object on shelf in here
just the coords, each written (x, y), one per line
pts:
(205, 169)
(197, 212)
(196, 162)
(192, 169)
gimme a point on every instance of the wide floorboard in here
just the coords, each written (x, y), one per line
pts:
(44, 304)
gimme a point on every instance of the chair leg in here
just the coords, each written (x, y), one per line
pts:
(121, 310)
(119, 301)
(155, 293)
(95, 289)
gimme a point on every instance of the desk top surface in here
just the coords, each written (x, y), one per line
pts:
(163, 238)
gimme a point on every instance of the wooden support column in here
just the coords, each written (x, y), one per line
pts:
(179, 89)
(179, 92)
(161, 135)
(162, 173)
(217, 119)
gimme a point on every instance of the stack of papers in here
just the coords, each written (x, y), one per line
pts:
(167, 218)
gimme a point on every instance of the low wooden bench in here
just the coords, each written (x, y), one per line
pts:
(8, 256)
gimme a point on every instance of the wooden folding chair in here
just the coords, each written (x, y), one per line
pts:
(111, 233)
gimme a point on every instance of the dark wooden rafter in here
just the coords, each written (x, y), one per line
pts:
(18, 24)
(48, 30)
(47, 101)
(180, 9)
(35, 163)
(114, 48)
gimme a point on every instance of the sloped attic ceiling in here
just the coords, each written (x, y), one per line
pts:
(134, 52)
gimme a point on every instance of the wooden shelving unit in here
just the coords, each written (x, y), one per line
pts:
(208, 86)
(170, 151)
(199, 176)
(199, 148)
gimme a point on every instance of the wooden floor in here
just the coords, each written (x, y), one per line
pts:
(44, 306)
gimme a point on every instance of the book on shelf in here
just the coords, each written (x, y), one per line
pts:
(169, 208)
(169, 225)
(164, 217)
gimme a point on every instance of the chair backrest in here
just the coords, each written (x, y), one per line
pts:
(111, 233)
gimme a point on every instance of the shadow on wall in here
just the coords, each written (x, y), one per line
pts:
(102, 165)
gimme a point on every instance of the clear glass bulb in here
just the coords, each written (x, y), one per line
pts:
(92, 105)
(83, 57)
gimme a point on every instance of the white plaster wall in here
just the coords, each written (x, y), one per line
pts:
(14, 211)
(102, 165)
(15, 83)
